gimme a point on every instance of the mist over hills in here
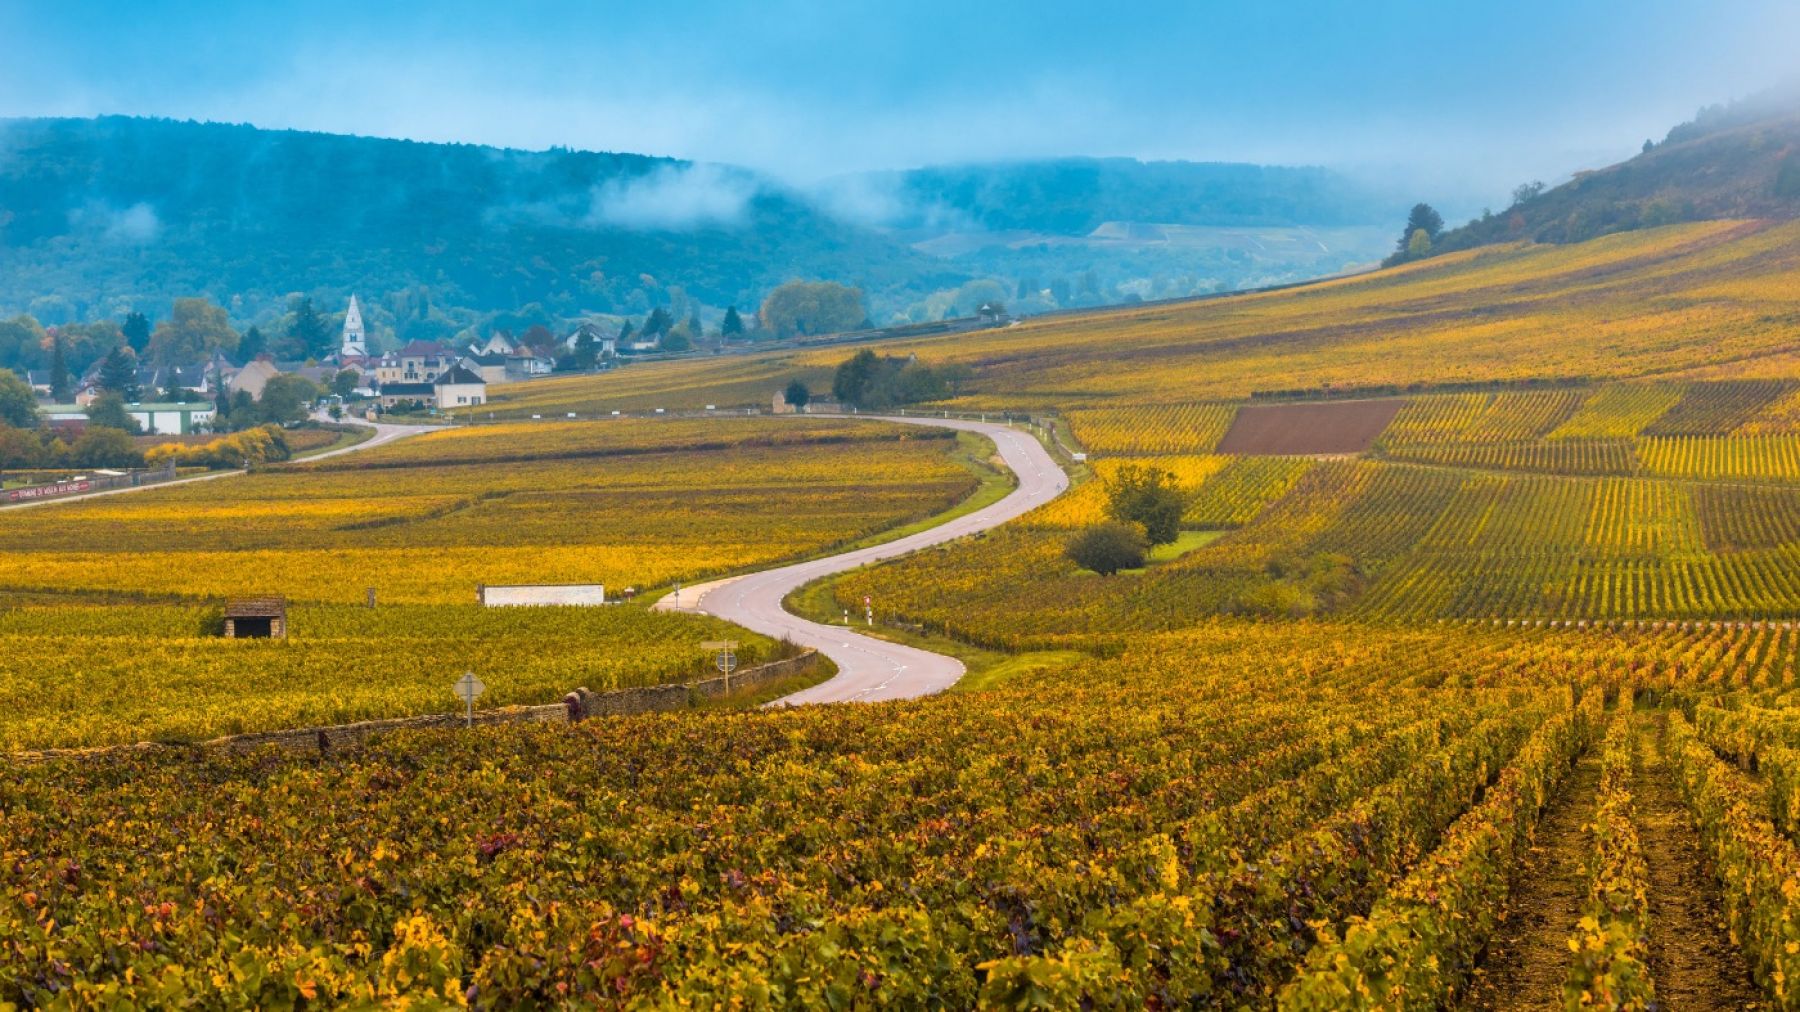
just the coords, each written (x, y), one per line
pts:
(1740, 160)
(105, 215)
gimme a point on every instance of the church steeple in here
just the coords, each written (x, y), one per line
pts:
(355, 346)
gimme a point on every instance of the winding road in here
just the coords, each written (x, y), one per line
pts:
(870, 669)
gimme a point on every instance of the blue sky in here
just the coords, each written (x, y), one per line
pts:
(1456, 94)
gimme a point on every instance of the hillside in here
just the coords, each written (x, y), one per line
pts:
(1713, 299)
(1075, 196)
(1734, 162)
(102, 216)
(99, 215)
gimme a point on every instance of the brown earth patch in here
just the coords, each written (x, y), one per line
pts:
(1307, 429)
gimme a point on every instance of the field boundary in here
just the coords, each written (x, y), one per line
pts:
(578, 705)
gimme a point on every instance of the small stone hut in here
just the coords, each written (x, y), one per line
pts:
(256, 618)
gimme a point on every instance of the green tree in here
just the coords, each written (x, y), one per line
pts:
(18, 407)
(796, 393)
(854, 378)
(173, 391)
(1524, 193)
(62, 385)
(344, 383)
(309, 336)
(812, 307)
(1424, 216)
(1108, 547)
(657, 323)
(1148, 497)
(108, 412)
(254, 343)
(118, 372)
(587, 350)
(286, 398)
(136, 330)
(678, 339)
(194, 330)
(105, 446)
(1418, 244)
(733, 326)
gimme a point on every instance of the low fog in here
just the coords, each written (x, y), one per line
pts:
(1454, 104)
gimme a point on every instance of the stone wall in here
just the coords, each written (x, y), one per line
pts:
(577, 705)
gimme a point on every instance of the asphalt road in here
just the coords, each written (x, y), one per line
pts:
(870, 669)
(384, 434)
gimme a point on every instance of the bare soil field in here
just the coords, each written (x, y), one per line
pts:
(1327, 427)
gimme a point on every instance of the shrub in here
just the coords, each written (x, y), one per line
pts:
(1109, 547)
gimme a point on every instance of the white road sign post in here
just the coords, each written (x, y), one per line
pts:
(467, 688)
(869, 609)
(726, 662)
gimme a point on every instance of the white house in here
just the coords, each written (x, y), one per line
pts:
(459, 388)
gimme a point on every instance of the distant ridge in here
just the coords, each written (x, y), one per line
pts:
(1738, 161)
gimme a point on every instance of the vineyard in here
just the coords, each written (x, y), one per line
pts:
(1703, 301)
(109, 609)
(1246, 814)
(1469, 679)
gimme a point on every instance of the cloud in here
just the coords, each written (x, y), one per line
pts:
(674, 198)
(134, 225)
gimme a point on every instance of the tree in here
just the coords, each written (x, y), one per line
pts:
(1418, 244)
(657, 323)
(137, 331)
(1108, 547)
(118, 373)
(678, 339)
(108, 412)
(733, 326)
(587, 350)
(1424, 216)
(1524, 194)
(796, 393)
(194, 330)
(344, 383)
(854, 378)
(18, 408)
(173, 391)
(1148, 497)
(285, 398)
(625, 334)
(62, 385)
(252, 345)
(812, 307)
(309, 336)
(105, 446)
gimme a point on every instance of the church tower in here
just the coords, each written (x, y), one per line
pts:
(355, 346)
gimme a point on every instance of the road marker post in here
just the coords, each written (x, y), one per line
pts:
(727, 661)
(467, 688)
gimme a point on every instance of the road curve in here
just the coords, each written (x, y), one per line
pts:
(384, 434)
(870, 669)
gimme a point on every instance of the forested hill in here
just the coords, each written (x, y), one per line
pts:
(98, 215)
(1073, 196)
(1740, 161)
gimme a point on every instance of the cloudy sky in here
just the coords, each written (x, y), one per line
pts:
(1459, 93)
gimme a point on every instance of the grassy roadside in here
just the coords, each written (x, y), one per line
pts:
(985, 668)
(348, 435)
(822, 669)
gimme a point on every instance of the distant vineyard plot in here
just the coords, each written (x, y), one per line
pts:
(1308, 429)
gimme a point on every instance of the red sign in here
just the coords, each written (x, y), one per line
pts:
(46, 491)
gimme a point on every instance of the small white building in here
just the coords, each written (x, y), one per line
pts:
(459, 388)
(173, 419)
